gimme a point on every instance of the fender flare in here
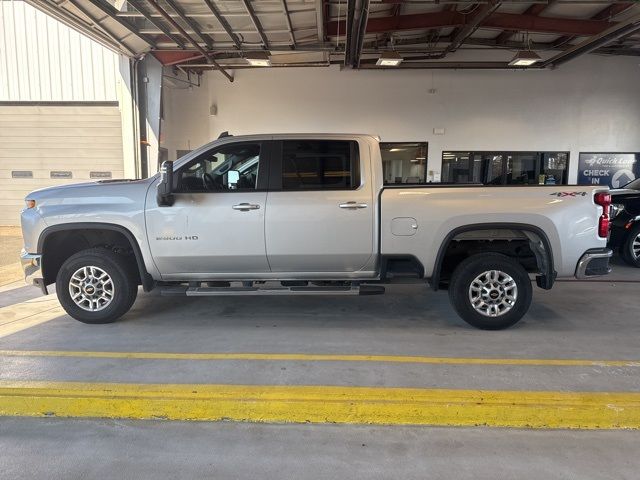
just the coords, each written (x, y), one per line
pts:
(145, 278)
(545, 280)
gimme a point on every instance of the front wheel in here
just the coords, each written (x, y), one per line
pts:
(490, 291)
(96, 286)
(631, 247)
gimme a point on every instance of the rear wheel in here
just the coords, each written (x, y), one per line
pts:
(631, 247)
(490, 291)
(96, 286)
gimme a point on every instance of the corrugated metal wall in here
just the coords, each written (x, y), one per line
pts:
(43, 60)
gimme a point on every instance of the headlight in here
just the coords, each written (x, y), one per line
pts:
(30, 203)
(615, 210)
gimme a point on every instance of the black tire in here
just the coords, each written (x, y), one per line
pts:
(124, 284)
(627, 250)
(470, 269)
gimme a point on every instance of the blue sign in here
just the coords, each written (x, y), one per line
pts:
(614, 170)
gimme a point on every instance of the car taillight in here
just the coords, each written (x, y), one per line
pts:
(604, 200)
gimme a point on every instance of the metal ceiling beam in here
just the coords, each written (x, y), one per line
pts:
(189, 21)
(473, 22)
(605, 14)
(256, 22)
(111, 12)
(223, 21)
(448, 66)
(357, 17)
(287, 16)
(191, 40)
(629, 26)
(101, 28)
(154, 21)
(536, 9)
(497, 20)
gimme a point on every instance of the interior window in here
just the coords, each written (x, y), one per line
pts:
(404, 162)
(505, 168)
(320, 165)
(232, 167)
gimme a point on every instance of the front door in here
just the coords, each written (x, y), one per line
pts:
(320, 209)
(215, 228)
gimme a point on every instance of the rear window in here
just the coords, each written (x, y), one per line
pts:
(320, 165)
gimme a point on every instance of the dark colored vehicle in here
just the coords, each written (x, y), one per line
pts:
(625, 222)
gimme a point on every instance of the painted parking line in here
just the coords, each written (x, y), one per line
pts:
(322, 404)
(309, 357)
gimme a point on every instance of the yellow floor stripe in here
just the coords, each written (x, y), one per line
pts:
(323, 358)
(322, 404)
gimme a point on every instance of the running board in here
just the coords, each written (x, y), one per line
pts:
(235, 291)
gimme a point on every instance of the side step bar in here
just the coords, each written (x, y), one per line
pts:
(235, 291)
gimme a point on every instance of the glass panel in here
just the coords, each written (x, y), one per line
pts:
(404, 162)
(522, 169)
(554, 168)
(211, 171)
(456, 167)
(493, 169)
(319, 165)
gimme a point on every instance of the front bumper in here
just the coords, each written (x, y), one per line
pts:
(32, 267)
(594, 262)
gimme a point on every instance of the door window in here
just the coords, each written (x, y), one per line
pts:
(320, 165)
(228, 168)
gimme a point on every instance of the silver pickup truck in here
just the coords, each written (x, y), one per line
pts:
(307, 215)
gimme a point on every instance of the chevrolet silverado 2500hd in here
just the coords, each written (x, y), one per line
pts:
(307, 214)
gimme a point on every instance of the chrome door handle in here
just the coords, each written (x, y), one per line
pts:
(353, 205)
(245, 207)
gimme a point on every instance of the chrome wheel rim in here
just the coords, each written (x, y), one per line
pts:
(493, 293)
(635, 247)
(91, 288)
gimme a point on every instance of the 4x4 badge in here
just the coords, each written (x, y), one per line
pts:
(569, 194)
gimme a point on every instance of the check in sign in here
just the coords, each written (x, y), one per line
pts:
(614, 170)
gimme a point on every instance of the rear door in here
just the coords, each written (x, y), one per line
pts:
(320, 207)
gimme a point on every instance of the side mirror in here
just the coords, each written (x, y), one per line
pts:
(164, 195)
(233, 177)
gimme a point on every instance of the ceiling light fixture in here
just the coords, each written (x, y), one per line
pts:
(389, 59)
(258, 59)
(524, 58)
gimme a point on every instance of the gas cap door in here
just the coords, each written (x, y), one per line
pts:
(404, 226)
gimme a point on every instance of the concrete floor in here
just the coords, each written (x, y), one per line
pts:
(576, 320)
(73, 449)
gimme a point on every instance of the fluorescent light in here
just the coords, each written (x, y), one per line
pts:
(258, 59)
(524, 58)
(389, 59)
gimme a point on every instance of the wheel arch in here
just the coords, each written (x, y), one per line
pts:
(544, 255)
(146, 279)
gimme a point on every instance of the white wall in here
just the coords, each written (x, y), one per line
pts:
(590, 104)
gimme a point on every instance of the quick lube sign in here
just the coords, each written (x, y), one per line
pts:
(614, 170)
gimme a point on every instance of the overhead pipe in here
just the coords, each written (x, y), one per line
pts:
(357, 18)
(621, 29)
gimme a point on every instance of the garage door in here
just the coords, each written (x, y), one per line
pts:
(44, 145)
